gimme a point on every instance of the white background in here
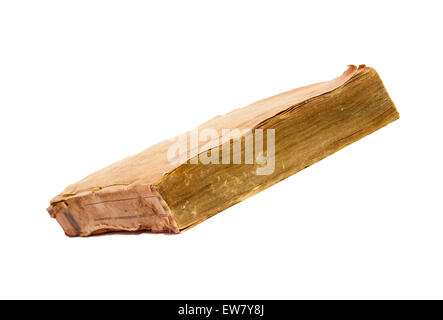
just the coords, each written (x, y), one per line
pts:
(86, 83)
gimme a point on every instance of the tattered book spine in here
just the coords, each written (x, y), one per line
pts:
(116, 209)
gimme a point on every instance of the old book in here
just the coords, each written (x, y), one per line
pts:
(179, 183)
